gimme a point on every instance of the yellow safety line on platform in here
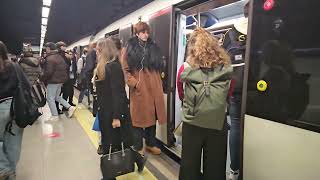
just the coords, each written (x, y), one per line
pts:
(86, 120)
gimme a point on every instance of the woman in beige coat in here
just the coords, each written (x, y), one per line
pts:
(142, 64)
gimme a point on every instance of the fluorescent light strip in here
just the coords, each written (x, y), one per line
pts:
(44, 21)
(43, 27)
(45, 12)
(47, 2)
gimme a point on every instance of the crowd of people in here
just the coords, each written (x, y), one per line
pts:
(104, 69)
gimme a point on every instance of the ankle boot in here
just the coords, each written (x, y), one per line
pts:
(141, 160)
(153, 150)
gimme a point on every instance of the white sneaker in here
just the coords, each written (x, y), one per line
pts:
(233, 175)
(54, 118)
(71, 111)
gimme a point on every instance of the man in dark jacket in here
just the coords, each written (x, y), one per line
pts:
(87, 72)
(55, 75)
(61, 48)
(67, 88)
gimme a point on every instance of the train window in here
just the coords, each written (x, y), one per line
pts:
(283, 78)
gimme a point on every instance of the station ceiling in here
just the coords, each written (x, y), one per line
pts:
(69, 20)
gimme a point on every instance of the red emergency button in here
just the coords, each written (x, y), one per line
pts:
(268, 5)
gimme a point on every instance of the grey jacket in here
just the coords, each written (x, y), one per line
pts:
(31, 67)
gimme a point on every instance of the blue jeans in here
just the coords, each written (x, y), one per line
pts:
(10, 145)
(234, 141)
(53, 94)
(85, 90)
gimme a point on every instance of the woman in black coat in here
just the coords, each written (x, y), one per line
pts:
(113, 106)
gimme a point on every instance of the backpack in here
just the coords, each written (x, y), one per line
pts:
(23, 109)
(39, 95)
(237, 50)
(205, 95)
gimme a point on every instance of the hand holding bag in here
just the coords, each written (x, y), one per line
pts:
(117, 163)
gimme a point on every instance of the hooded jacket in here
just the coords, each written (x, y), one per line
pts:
(31, 67)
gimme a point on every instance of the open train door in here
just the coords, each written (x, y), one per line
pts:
(281, 102)
(161, 32)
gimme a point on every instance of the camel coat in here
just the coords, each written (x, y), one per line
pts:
(146, 97)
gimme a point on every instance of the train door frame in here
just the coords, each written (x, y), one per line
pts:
(187, 8)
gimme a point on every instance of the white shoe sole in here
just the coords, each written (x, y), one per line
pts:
(71, 112)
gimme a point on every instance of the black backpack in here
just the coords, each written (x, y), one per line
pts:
(236, 49)
(39, 95)
(23, 109)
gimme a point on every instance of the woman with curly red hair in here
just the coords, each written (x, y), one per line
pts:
(206, 75)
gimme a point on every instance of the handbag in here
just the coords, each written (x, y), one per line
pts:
(117, 163)
(96, 124)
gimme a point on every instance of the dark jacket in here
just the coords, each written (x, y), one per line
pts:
(31, 67)
(91, 60)
(235, 44)
(113, 104)
(148, 51)
(66, 60)
(55, 69)
(8, 81)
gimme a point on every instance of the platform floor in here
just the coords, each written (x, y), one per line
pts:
(66, 150)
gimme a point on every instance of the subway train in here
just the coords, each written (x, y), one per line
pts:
(280, 121)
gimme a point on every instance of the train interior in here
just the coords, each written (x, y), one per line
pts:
(217, 21)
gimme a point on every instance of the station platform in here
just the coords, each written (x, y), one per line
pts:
(67, 150)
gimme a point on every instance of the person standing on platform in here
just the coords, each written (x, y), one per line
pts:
(142, 63)
(61, 48)
(67, 88)
(54, 76)
(10, 145)
(87, 73)
(30, 66)
(204, 131)
(82, 61)
(113, 105)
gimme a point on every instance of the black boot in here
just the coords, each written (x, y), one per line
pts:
(140, 160)
(59, 111)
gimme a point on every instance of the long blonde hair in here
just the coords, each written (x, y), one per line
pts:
(204, 50)
(107, 53)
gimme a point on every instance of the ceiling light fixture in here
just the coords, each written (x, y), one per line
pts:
(44, 21)
(45, 12)
(47, 2)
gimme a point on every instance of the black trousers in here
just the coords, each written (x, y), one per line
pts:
(68, 90)
(148, 133)
(213, 143)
